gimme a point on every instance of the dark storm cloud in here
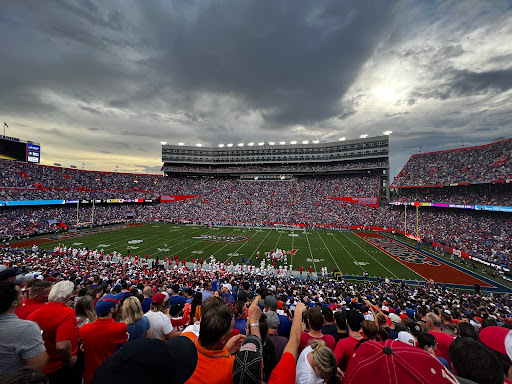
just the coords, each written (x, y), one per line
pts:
(460, 83)
(473, 83)
(291, 60)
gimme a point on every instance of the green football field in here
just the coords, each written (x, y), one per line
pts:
(344, 251)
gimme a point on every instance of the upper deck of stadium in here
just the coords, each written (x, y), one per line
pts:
(277, 153)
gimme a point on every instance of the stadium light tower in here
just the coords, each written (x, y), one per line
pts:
(282, 142)
(271, 143)
(305, 142)
(221, 145)
(163, 142)
(240, 144)
(363, 136)
(230, 145)
(261, 143)
(293, 142)
(315, 141)
(250, 144)
(342, 139)
(199, 145)
(387, 133)
(181, 144)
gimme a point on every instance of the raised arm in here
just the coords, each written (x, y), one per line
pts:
(296, 330)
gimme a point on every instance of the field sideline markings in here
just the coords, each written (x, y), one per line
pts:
(311, 253)
(209, 243)
(109, 234)
(151, 239)
(259, 245)
(328, 250)
(390, 255)
(365, 251)
(244, 243)
(349, 253)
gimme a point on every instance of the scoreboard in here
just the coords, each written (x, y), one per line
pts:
(13, 148)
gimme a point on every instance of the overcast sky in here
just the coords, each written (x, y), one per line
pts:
(103, 82)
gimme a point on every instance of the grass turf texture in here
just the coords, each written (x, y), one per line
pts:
(344, 251)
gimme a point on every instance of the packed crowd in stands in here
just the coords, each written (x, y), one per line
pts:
(228, 201)
(471, 165)
(24, 181)
(70, 316)
(366, 164)
(500, 195)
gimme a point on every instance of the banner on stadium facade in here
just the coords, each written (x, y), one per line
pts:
(368, 201)
(170, 198)
(495, 208)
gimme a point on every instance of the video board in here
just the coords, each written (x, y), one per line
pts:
(14, 149)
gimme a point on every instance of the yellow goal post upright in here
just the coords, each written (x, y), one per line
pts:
(84, 223)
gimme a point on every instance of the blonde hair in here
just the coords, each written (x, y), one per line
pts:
(61, 291)
(324, 359)
(132, 310)
(84, 308)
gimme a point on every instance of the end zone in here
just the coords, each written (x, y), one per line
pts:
(428, 266)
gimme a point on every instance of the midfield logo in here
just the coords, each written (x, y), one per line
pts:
(222, 238)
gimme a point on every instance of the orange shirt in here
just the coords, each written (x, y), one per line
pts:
(213, 367)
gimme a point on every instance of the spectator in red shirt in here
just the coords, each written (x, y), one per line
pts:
(443, 340)
(345, 347)
(316, 322)
(37, 298)
(60, 334)
(103, 337)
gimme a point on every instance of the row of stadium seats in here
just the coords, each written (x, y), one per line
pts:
(491, 194)
(22, 181)
(278, 168)
(471, 165)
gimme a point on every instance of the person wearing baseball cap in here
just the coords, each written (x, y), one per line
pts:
(160, 322)
(150, 361)
(393, 361)
(473, 362)
(499, 340)
(101, 338)
(270, 304)
(9, 274)
(279, 342)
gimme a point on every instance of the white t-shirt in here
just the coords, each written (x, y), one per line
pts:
(305, 372)
(160, 324)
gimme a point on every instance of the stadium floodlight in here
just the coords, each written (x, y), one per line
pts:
(250, 144)
(261, 143)
(293, 142)
(363, 136)
(163, 142)
(315, 141)
(387, 133)
(282, 142)
(271, 143)
(199, 145)
(283, 177)
(221, 145)
(305, 142)
(342, 139)
(230, 145)
(240, 144)
(181, 144)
